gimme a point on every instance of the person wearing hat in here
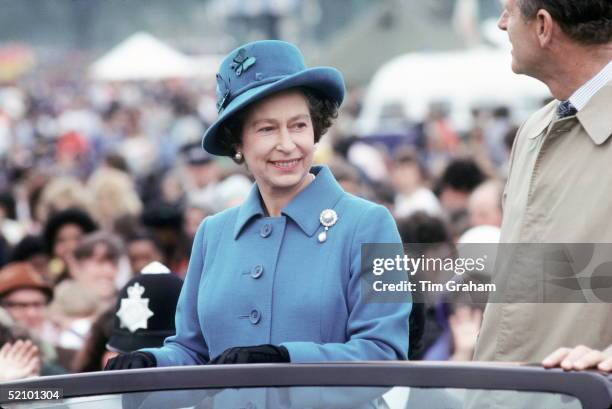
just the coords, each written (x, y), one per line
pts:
(26, 296)
(144, 315)
(277, 279)
(202, 174)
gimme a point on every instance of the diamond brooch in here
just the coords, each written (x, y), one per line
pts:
(327, 218)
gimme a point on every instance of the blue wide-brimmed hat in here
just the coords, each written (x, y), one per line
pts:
(259, 69)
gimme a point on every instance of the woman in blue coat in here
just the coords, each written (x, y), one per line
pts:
(277, 279)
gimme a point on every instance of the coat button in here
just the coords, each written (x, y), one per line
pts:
(250, 405)
(266, 230)
(254, 317)
(257, 271)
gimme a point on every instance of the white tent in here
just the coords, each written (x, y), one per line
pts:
(142, 57)
(461, 80)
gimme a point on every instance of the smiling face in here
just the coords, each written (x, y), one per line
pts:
(278, 142)
(522, 34)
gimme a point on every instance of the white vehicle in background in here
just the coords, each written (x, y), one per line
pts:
(460, 81)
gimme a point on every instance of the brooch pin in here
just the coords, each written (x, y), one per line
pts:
(241, 62)
(327, 218)
(134, 312)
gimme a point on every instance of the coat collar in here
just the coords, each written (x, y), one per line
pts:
(540, 121)
(323, 193)
(595, 117)
(250, 208)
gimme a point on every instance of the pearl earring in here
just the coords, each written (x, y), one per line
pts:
(238, 156)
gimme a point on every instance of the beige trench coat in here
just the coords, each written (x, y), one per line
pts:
(559, 190)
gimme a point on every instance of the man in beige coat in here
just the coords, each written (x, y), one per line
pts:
(559, 188)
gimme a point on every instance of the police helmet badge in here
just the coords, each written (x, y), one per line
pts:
(134, 312)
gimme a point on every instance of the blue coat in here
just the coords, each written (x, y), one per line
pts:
(256, 280)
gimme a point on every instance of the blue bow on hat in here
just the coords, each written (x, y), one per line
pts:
(256, 70)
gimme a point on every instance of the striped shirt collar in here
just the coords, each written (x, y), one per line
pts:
(581, 97)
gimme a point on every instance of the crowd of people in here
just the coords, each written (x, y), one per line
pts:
(102, 185)
(100, 180)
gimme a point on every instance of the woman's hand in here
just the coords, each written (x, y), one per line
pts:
(131, 360)
(259, 354)
(19, 360)
(580, 358)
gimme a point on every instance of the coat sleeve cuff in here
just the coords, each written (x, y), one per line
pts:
(300, 352)
(164, 357)
(160, 357)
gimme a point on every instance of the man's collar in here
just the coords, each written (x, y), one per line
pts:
(596, 117)
(305, 209)
(582, 95)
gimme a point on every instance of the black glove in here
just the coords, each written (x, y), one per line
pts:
(132, 360)
(259, 354)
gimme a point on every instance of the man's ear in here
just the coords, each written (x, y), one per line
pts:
(545, 26)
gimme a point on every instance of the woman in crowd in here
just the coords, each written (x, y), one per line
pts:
(63, 233)
(277, 279)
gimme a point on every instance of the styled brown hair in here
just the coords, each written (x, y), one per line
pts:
(112, 244)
